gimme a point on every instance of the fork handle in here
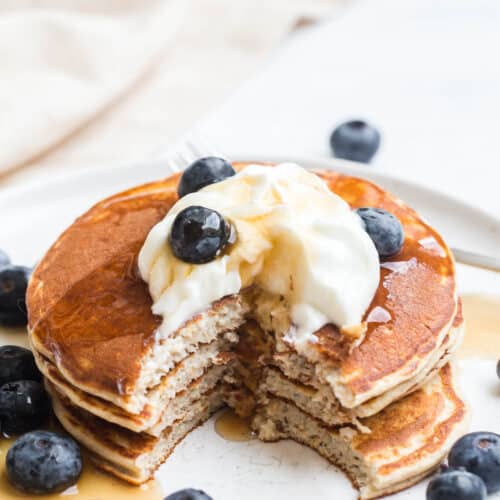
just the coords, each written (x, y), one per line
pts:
(477, 260)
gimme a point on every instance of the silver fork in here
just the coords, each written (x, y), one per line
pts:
(193, 147)
(476, 259)
(190, 148)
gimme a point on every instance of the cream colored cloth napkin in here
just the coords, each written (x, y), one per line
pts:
(91, 81)
(64, 61)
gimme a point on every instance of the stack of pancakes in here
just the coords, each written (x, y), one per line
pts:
(385, 409)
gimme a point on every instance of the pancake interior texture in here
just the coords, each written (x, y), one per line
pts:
(130, 395)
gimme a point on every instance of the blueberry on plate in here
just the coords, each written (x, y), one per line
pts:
(355, 140)
(456, 485)
(24, 406)
(17, 363)
(18, 425)
(384, 229)
(188, 494)
(199, 234)
(13, 285)
(479, 453)
(42, 462)
(4, 259)
(203, 172)
(13, 318)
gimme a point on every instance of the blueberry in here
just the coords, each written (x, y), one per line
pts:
(17, 363)
(13, 285)
(203, 172)
(456, 485)
(384, 229)
(479, 453)
(199, 234)
(24, 406)
(14, 318)
(355, 140)
(4, 259)
(443, 468)
(15, 426)
(42, 462)
(188, 494)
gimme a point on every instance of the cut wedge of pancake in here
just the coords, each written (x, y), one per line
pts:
(163, 407)
(131, 456)
(406, 441)
(296, 368)
(155, 417)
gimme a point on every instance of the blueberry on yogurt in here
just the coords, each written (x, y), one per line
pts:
(199, 234)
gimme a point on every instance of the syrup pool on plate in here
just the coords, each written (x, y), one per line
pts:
(482, 327)
(92, 485)
(231, 427)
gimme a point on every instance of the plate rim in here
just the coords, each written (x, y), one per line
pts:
(375, 174)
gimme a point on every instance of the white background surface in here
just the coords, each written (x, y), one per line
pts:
(426, 72)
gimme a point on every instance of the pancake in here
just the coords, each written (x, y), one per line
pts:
(406, 441)
(418, 291)
(378, 396)
(154, 417)
(131, 456)
(296, 368)
(90, 315)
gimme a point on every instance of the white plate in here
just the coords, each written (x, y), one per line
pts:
(32, 216)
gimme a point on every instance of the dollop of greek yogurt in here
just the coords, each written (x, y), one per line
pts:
(295, 238)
